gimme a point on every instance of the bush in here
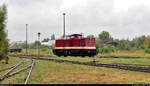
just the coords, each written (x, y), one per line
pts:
(44, 49)
(113, 50)
(104, 50)
(1, 56)
(147, 50)
(142, 47)
(107, 49)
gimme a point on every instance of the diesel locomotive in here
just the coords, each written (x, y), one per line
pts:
(75, 45)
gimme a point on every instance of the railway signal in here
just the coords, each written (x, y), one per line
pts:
(26, 39)
(39, 44)
(64, 23)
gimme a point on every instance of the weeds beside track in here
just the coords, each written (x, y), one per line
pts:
(124, 57)
(132, 67)
(10, 72)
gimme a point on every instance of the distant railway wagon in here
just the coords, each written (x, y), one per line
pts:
(75, 45)
(15, 50)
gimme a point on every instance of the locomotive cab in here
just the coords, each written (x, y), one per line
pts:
(75, 45)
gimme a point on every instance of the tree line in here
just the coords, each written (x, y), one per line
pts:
(104, 39)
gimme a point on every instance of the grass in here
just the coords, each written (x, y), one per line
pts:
(12, 61)
(137, 53)
(16, 79)
(19, 78)
(105, 60)
(48, 72)
(35, 52)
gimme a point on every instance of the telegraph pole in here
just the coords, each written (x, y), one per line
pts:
(26, 39)
(64, 23)
(39, 44)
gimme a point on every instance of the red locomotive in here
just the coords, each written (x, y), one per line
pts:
(75, 45)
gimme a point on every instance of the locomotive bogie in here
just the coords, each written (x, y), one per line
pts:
(75, 52)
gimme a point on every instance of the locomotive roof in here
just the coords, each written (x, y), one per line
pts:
(71, 35)
(75, 34)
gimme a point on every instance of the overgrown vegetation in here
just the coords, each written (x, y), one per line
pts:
(48, 72)
(104, 41)
(107, 49)
(3, 34)
(147, 50)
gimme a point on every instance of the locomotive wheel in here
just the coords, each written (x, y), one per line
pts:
(83, 56)
(65, 55)
(90, 56)
(58, 55)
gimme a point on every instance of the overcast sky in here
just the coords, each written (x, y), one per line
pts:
(122, 18)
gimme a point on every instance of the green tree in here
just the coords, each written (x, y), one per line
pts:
(46, 40)
(105, 37)
(147, 43)
(3, 34)
(90, 36)
(138, 42)
(98, 43)
(36, 44)
(23, 45)
(124, 45)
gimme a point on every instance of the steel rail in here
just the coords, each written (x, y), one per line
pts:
(5, 75)
(19, 71)
(131, 67)
(26, 79)
(124, 57)
(30, 55)
(8, 67)
(14, 73)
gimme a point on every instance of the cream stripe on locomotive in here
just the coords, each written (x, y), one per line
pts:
(75, 47)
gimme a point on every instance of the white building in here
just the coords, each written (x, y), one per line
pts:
(49, 43)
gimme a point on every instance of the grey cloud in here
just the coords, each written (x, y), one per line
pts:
(133, 22)
(41, 16)
(33, 3)
(126, 24)
(45, 16)
(91, 18)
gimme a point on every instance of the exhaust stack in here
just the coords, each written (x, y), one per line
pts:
(64, 24)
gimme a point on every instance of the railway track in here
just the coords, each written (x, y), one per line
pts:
(131, 67)
(124, 57)
(30, 55)
(11, 72)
